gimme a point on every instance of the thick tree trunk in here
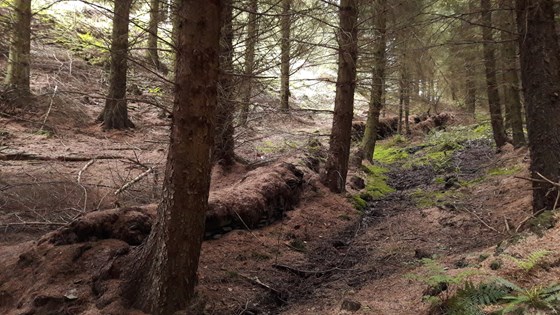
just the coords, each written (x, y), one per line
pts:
(496, 118)
(155, 16)
(540, 66)
(224, 142)
(250, 43)
(115, 113)
(17, 73)
(377, 84)
(339, 144)
(163, 275)
(511, 79)
(285, 24)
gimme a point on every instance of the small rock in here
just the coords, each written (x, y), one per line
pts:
(349, 305)
(72, 294)
(420, 254)
(357, 183)
(217, 236)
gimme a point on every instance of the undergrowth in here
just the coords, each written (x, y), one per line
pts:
(458, 295)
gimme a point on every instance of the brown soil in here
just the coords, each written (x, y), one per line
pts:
(310, 260)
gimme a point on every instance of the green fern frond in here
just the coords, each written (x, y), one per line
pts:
(469, 299)
(534, 259)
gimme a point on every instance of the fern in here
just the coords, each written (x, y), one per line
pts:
(533, 260)
(469, 299)
(537, 297)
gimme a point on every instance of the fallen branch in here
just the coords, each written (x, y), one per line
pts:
(527, 219)
(50, 108)
(302, 273)
(481, 220)
(257, 281)
(22, 156)
(7, 225)
(83, 170)
(134, 181)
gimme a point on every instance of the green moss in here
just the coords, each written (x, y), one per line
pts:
(376, 186)
(505, 171)
(438, 159)
(542, 222)
(427, 199)
(358, 203)
(389, 155)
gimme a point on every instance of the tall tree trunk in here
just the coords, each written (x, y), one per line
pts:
(155, 16)
(224, 144)
(17, 73)
(163, 274)
(115, 113)
(285, 24)
(540, 74)
(377, 83)
(496, 118)
(251, 41)
(339, 144)
(407, 104)
(511, 79)
(470, 85)
(401, 108)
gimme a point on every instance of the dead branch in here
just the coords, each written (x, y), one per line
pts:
(22, 156)
(527, 219)
(302, 273)
(134, 181)
(50, 108)
(481, 220)
(83, 170)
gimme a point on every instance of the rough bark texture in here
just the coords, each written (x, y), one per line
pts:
(17, 73)
(155, 16)
(285, 56)
(115, 113)
(512, 96)
(496, 118)
(540, 66)
(251, 41)
(163, 275)
(339, 144)
(377, 85)
(224, 143)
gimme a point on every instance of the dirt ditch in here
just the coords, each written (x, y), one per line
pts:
(393, 234)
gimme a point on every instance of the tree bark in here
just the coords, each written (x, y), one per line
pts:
(163, 273)
(377, 84)
(496, 118)
(250, 42)
(339, 144)
(512, 96)
(285, 56)
(224, 142)
(17, 73)
(115, 113)
(540, 66)
(155, 16)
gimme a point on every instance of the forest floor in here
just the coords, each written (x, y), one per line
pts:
(447, 196)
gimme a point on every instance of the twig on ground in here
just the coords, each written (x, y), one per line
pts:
(134, 181)
(80, 182)
(481, 220)
(302, 273)
(83, 170)
(50, 108)
(527, 219)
